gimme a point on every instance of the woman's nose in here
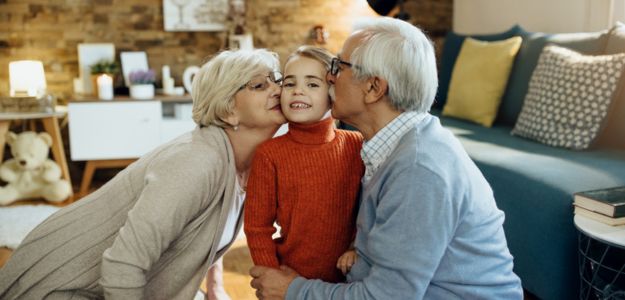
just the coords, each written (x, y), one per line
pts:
(275, 89)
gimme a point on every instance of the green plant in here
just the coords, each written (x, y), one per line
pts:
(104, 66)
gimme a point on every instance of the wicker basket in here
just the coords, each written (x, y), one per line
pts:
(44, 103)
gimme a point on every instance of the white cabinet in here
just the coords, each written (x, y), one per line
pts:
(108, 130)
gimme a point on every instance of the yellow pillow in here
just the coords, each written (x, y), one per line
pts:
(479, 79)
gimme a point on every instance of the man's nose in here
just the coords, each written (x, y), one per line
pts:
(331, 79)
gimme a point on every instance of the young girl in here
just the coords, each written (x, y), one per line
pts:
(306, 180)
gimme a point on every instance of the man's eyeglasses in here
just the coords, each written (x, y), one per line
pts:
(335, 66)
(261, 83)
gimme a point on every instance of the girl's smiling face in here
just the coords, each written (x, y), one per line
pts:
(304, 97)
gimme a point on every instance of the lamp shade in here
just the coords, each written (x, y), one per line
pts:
(27, 78)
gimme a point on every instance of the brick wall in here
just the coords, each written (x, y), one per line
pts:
(50, 30)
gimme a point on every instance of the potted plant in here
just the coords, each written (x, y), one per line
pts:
(142, 84)
(103, 66)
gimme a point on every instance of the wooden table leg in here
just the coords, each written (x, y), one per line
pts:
(4, 129)
(51, 126)
(92, 165)
(87, 176)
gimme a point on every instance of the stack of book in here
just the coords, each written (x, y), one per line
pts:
(605, 205)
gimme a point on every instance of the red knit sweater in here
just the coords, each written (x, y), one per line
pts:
(308, 181)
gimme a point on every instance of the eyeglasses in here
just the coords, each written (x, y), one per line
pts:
(335, 66)
(261, 83)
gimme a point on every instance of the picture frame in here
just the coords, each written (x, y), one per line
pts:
(195, 15)
(133, 61)
(89, 54)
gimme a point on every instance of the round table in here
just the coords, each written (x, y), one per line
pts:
(601, 259)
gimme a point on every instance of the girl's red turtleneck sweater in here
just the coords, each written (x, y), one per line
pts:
(308, 182)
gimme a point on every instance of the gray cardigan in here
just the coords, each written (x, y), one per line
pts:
(149, 233)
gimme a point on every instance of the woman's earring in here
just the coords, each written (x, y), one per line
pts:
(235, 127)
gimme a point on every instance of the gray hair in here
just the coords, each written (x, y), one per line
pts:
(223, 76)
(404, 56)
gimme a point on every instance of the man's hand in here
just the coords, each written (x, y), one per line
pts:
(271, 284)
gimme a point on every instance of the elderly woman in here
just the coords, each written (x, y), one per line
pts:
(153, 231)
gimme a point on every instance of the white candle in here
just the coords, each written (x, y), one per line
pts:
(165, 72)
(105, 87)
(168, 86)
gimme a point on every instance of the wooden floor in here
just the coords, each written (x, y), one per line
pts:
(237, 263)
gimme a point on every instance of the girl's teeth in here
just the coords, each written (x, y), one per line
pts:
(299, 105)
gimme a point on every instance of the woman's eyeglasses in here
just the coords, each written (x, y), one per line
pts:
(335, 66)
(261, 83)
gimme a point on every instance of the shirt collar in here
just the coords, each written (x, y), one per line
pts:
(376, 150)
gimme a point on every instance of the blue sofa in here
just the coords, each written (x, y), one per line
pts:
(534, 183)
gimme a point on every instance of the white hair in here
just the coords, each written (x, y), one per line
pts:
(403, 55)
(223, 76)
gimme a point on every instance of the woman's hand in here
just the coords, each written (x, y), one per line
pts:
(346, 261)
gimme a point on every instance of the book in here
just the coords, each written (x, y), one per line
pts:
(609, 202)
(599, 217)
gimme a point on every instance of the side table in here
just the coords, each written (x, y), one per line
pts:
(601, 259)
(50, 125)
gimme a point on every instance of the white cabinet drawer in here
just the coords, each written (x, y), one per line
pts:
(113, 130)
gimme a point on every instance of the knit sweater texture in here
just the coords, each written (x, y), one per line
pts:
(428, 228)
(307, 181)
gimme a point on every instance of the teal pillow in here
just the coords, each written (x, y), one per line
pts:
(451, 49)
(591, 43)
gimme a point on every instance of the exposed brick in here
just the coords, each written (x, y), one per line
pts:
(101, 18)
(50, 30)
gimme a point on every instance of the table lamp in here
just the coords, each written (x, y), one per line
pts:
(27, 78)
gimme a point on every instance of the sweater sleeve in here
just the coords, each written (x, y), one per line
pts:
(173, 192)
(261, 210)
(414, 222)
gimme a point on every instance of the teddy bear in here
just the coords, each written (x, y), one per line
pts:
(30, 173)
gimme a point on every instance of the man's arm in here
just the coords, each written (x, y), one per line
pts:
(415, 221)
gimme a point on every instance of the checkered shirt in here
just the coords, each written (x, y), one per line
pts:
(375, 151)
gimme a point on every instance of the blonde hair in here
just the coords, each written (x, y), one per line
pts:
(319, 54)
(218, 80)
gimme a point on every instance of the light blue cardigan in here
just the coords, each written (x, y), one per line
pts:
(428, 228)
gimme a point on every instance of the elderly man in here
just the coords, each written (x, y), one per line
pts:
(428, 225)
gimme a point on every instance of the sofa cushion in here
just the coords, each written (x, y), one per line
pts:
(613, 134)
(568, 98)
(451, 49)
(534, 185)
(479, 79)
(527, 58)
(616, 39)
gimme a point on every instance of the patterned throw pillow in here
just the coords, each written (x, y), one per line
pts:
(568, 97)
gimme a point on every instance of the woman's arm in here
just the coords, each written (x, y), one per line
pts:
(260, 211)
(174, 188)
